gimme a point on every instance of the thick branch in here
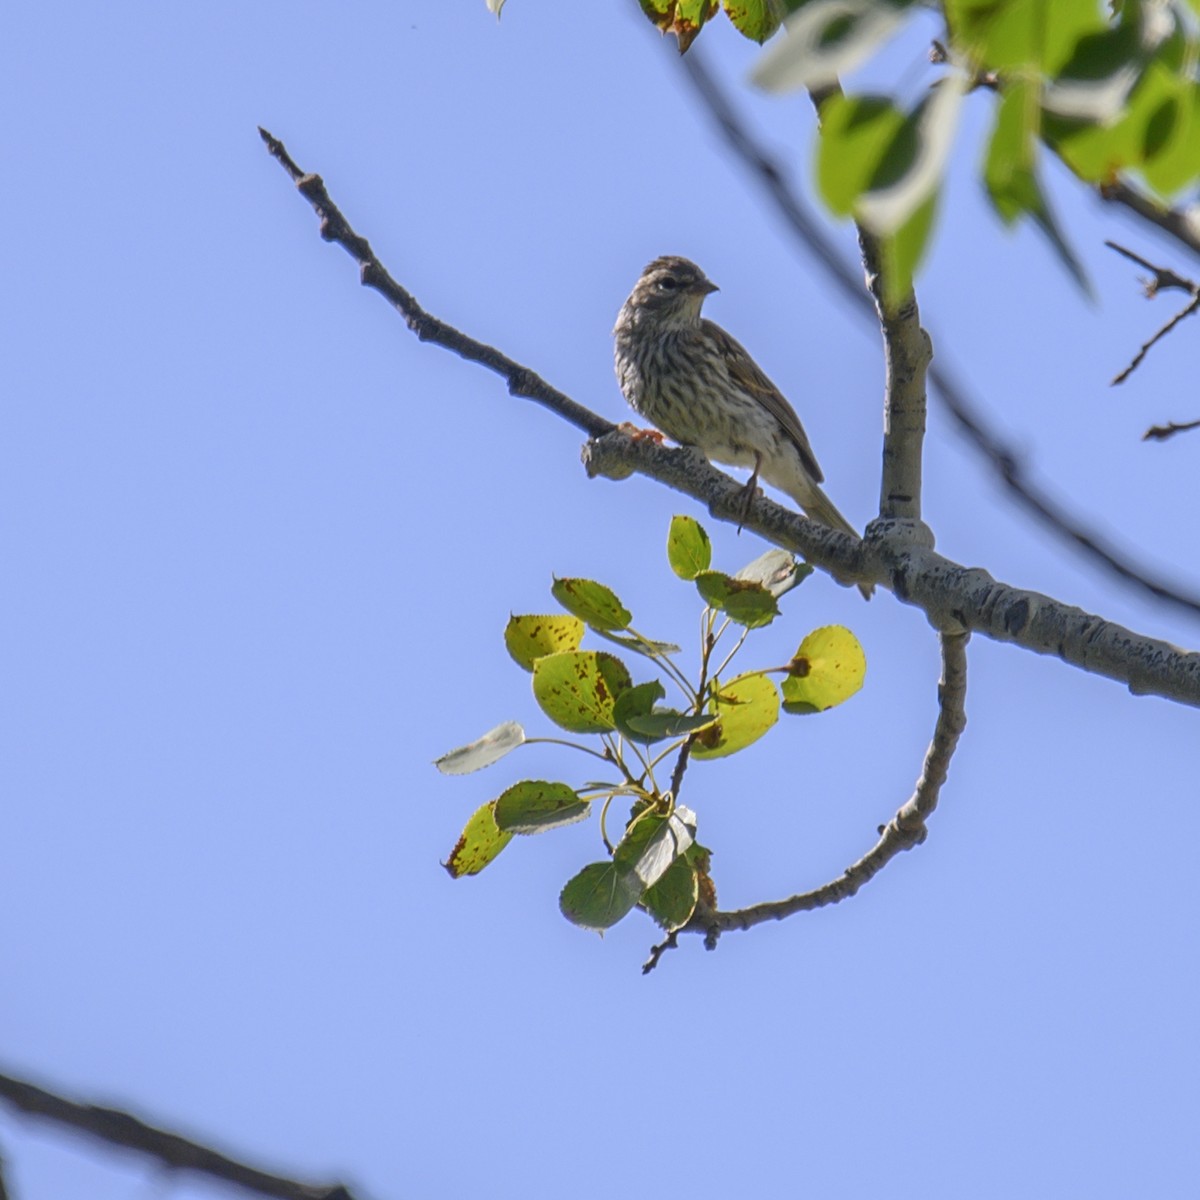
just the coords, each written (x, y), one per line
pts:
(953, 597)
(907, 353)
(179, 1153)
(905, 830)
(950, 390)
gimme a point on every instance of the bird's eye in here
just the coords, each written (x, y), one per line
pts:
(668, 283)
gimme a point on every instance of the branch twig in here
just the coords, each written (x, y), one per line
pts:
(952, 393)
(904, 831)
(1162, 279)
(1183, 227)
(335, 228)
(1160, 433)
(118, 1128)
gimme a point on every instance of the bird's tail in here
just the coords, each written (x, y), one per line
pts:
(819, 506)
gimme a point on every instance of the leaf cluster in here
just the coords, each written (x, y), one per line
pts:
(643, 742)
(1111, 90)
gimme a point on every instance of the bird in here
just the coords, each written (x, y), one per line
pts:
(700, 387)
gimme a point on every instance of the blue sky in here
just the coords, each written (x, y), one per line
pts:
(261, 546)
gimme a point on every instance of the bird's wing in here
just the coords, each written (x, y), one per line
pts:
(746, 374)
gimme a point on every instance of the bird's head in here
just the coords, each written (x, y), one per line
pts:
(670, 293)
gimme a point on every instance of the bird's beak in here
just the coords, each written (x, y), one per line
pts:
(705, 287)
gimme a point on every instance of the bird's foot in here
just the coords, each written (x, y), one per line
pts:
(641, 435)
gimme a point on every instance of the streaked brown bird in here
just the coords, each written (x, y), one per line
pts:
(698, 385)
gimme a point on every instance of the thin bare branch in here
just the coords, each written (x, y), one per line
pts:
(118, 1128)
(904, 831)
(670, 942)
(1184, 227)
(335, 228)
(1187, 311)
(1162, 279)
(952, 392)
(1160, 433)
(953, 597)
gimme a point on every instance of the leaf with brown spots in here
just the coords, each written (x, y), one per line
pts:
(529, 637)
(829, 667)
(480, 842)
(683, 18)
(578, 689)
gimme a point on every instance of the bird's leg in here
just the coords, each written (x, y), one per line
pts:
(750, 490)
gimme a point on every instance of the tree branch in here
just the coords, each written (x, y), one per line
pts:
(904, 831)
(118, 1128)
(1160, 433)
(1162, 279)
(335, 228)
(1182, 226)
(951, 391)
(952, 596)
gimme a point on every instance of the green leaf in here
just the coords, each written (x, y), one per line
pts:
(1171, 144)
(635, 702)
(754, 19)
(777, 571)
(672, 900)
(856, 132)
(592, 602)
(825, 39)
(1009, 168)
(1009, 173)
(747, 706)
(652, 842)
(482, 752)
(689, 550)
(641, 645)
(528, 638)
(534, 806)
(742, 600)
(683, 18)
(667, 723)
(577, 689)
(1005, 35)
(829, 667)
(902, 252)
(599, 896)
(479, 844)
(912, 166)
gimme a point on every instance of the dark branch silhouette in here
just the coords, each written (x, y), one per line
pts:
(1162, 279)
(117, 1128)
(1160, 433)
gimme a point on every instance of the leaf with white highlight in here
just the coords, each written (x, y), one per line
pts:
(482, 752)
(825, 39)
(884, 209)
